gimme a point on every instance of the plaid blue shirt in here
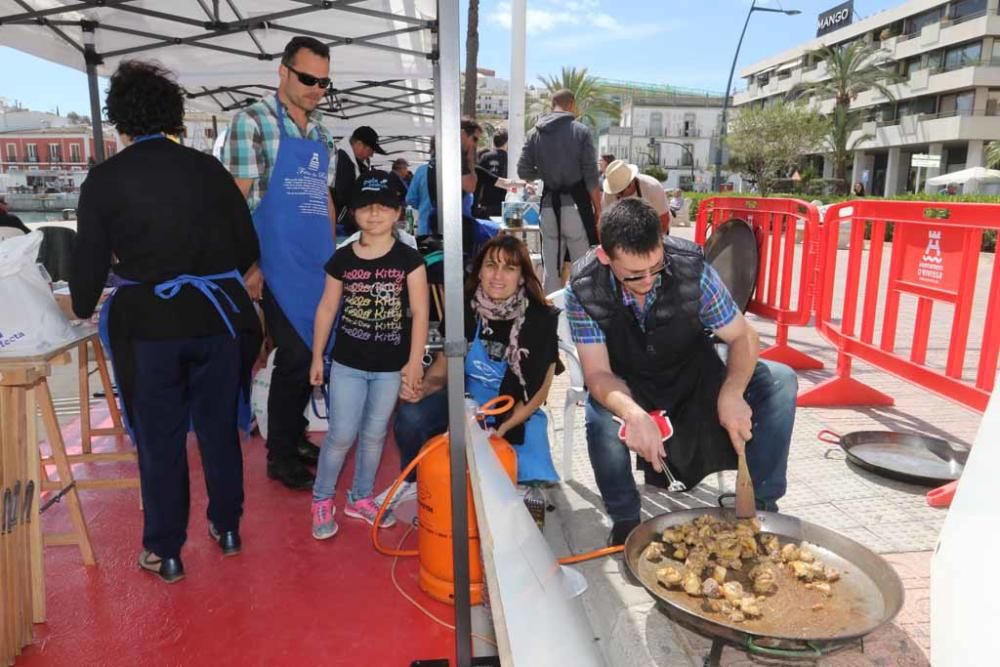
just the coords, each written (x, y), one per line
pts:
(251, 147)
(717, 308)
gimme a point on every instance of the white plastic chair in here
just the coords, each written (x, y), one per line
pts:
(577, 391)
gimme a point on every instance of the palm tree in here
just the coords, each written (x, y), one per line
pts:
(993, 154)
(471, 61)
(592, 100)
(851, 70)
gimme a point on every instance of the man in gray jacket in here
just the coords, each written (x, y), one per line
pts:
(561, 152)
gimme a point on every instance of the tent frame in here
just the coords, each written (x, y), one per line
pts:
(445, 55)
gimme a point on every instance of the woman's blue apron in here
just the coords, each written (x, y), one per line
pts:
(207, 285)
(482, 380)
(293, 225)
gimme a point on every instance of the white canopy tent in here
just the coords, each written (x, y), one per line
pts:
(226, 52)
(972, 180)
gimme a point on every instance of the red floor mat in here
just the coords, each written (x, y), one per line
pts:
(286, 600)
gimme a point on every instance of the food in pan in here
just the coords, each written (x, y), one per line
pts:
(733, 567)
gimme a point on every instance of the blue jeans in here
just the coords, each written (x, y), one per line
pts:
(416, 423)
(361, 403)
(771, 396)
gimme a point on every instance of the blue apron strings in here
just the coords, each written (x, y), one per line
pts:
(147, 137)
(207, 286)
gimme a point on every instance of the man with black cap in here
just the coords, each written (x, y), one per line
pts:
(353, 154)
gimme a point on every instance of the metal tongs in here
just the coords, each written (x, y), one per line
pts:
(674, 484)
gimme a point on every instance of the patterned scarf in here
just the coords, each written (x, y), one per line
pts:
(512, 308)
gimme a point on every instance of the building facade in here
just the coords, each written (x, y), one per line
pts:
(51, 158)
(947, 105)
(675, 131)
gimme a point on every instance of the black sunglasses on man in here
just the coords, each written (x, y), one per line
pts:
(309, 79)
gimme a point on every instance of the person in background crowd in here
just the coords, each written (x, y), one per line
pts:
(379, 287)
(181, 328)
(400, 177)
(859, 189)
(272, 147)
(492, 165)
(639, 306)
(602, 165)
(514, 350)
(560, 151)
(7, 219)
(623, 180)
(353, 159)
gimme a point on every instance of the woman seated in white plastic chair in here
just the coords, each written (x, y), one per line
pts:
(513, 350)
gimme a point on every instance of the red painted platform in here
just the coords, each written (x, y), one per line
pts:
(286, 600)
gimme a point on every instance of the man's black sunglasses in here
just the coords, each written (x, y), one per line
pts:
(309, 79)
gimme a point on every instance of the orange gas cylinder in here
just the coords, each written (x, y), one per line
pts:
(434, 519)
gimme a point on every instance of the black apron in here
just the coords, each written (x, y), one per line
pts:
(581, 198)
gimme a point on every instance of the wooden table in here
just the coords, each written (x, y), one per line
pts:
(25, 392)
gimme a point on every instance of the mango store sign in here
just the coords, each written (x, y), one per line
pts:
(836, 18)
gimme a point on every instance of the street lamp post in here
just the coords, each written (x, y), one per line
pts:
(729, 84)
(686, 149)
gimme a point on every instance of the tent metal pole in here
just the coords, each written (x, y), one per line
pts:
(92, 59)
(515, 112)
(449, 197)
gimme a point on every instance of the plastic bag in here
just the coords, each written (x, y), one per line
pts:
(315, 410)
(30, 318)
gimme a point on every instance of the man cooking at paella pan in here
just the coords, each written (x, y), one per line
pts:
(643, 310)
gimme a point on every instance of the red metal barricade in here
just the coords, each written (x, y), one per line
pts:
(934, 258)
(787, 272)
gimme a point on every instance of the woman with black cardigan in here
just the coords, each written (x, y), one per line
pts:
(173, 228)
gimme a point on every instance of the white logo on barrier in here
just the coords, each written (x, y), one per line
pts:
(933, 252)
(314, 162)
(931, 268)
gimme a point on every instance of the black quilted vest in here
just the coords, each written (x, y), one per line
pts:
(672, 365)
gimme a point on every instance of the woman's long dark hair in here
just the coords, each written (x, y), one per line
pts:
(507, 249)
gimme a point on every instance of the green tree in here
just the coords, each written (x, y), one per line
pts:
(993, 154)
(766, 143)
(592, 100)
(471, 61)
(850, 71)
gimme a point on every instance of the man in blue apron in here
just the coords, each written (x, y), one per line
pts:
(280, 155)
(640, 307)
(180, 326)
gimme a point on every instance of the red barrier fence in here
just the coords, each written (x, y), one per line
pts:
(775, 223)
(934, 258)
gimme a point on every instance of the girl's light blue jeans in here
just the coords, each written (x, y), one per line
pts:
(361, 403)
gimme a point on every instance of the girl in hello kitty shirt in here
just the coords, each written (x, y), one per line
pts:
(379, 286)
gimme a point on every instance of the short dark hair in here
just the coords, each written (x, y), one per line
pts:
(470, 126)
(399, 162)
(296, 44)
(144, 99)
(563, 97)
(631, 225)
(608, 157)
(500, 139)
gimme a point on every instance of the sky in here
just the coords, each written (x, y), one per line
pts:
(686, 43)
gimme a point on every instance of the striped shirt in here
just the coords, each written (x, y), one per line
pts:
(716, 308)
(251, 147)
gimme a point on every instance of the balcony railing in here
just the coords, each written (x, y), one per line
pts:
(946, 22)
(985, 61)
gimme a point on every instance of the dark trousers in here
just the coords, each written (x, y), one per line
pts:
(770, 395)
(184, 383)
(290, 388)
(416, 423)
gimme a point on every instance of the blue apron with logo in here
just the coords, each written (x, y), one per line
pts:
(294, 229)
(482, 380)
